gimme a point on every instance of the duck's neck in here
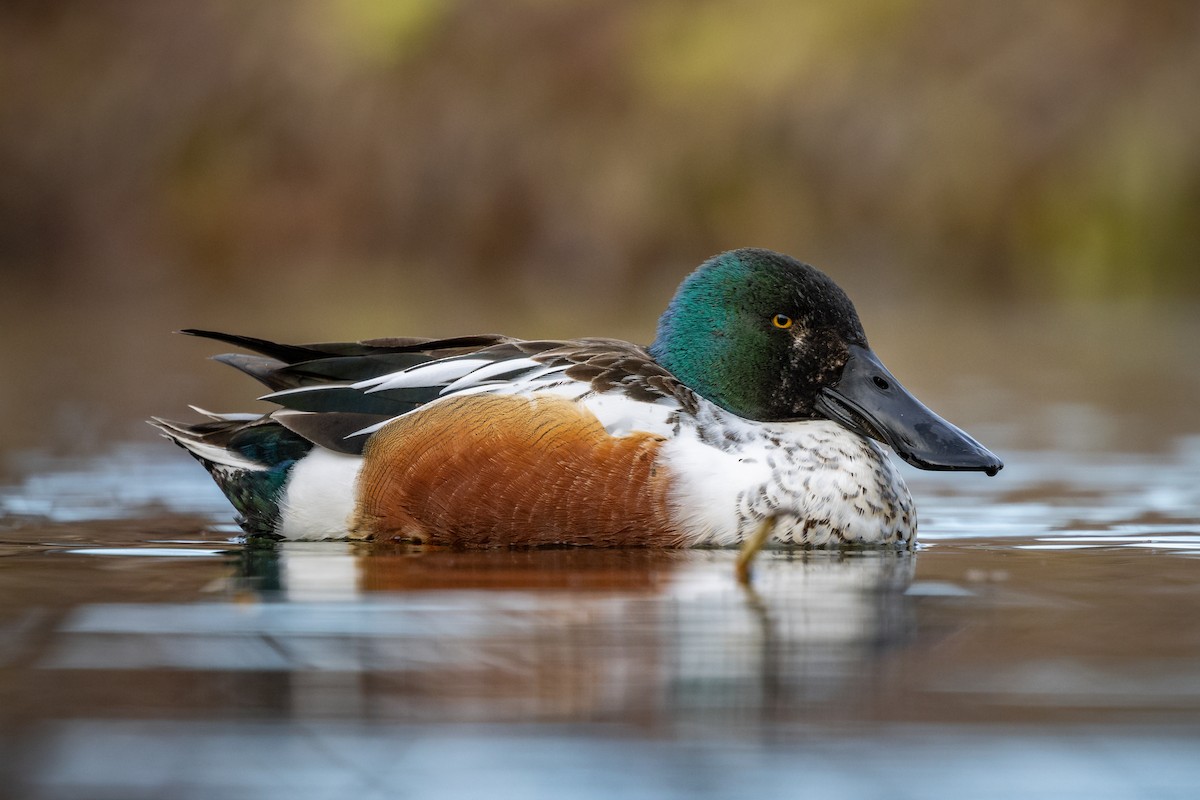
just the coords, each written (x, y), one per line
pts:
(723, 369)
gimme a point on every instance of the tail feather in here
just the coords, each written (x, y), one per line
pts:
(234, 417)
(249, 460)
(251, 457)
(263, 370)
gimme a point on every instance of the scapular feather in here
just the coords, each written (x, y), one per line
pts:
(345, 399)
(330, 430)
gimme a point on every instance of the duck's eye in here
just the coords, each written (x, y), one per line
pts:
(782, 321)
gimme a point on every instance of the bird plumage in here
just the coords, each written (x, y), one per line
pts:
(754, 404)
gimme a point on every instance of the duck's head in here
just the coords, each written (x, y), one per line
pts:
(771, 339)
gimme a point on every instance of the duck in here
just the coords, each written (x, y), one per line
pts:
(759, 413)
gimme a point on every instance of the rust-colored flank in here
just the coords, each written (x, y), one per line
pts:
(496, 470)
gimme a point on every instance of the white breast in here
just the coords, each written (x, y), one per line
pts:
(819, 483)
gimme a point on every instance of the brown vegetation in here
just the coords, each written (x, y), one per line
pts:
(329, 169)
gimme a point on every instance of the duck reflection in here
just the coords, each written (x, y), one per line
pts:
(645, 636)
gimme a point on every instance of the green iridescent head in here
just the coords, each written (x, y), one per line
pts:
(759, 334)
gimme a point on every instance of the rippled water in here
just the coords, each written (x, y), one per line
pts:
(1042, 642)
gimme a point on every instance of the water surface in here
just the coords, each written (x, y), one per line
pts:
(1041, 642)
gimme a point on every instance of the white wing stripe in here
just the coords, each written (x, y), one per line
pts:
(477, 376)
(270, 397)
(432, 374)
(525, 381)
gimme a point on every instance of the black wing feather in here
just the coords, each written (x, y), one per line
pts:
(296, 353)
(344, 398)
(331, 410)
(333, 431)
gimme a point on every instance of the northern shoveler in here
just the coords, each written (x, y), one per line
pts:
(756, 413)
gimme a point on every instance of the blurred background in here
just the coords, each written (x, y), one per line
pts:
(1009, 191)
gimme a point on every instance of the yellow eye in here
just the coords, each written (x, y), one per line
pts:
(782, 321)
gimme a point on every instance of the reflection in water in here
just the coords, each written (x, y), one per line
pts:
(645, 636)
(1046, 628)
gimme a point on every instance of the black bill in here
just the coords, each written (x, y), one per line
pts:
(868, 400)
